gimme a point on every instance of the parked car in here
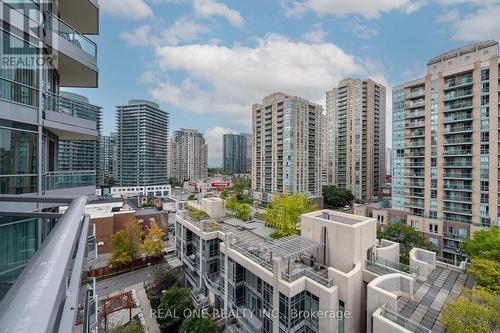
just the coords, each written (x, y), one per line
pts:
(347, 208)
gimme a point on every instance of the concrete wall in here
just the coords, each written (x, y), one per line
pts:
(385, 290)
(213, 207)
(388, 250)
(424, 260)
(384, 325)
(348, 236)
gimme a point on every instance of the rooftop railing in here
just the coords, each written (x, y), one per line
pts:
(407, 323)
(383, 266)
(327, 282)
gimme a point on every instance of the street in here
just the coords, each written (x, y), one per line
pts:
(123, 281)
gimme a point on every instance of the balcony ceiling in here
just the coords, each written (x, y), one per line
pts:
(75, 74)
(83, 15)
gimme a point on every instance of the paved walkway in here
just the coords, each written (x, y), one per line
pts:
(151, 324)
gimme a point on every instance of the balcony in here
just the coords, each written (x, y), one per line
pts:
(415, 104)
(457, 129)
(457, 106)
(65, 182)
(458, 198)
(458, 164)
(457, 94)
(81, 14)
(459, 141)
(458, 175)
(69, 118)
(199, 298)
(459, 82)
(76, 59)
(457, 210)
(457, 152)
(458, 117)
(48, 290)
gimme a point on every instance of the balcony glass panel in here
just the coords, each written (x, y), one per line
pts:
(67, 32)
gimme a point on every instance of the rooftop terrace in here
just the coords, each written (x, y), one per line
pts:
(298, 254)
(430, 296)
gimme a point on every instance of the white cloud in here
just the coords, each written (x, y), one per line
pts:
(213, 138)
(131, 9)
(225, 81)
(137, 37)
(340, 8)
(361, 31)
(482, 24)
(183, 29)
(209, 8)
(316, 34)
(450, 16)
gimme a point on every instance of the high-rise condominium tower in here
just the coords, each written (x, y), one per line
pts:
(248, 162)
(286, 146)
(188, 155)
(142, 138)
(445, 145)
(234, 153)
(355, 142)
(108, 150)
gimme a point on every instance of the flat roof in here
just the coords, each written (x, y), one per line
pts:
(105, 209)
(442, 285)
(339, 217)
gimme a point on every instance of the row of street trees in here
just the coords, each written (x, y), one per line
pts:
(127, 244)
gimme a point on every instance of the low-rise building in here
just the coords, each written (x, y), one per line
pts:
(334, 277)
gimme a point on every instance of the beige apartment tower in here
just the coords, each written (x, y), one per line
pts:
(354, 146)
(188, 155)
(286, 154)
(445, 146)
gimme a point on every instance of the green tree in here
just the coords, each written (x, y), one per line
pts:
(192, 196)
(174, 301)
(162, 278)
(133, 326)
(199, 323)
(224, 194)
(240, 184)
(475, 312)
(134, 233)
(335, 197)
(487, 274)
(243, 212)
(406, 236)
(484, 244)
(283, 213)
(172, 181)
(120, 255)
(153, 244)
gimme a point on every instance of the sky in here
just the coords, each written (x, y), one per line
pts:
(207, 61)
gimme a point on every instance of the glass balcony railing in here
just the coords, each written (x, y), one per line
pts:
(458, 82)
(463, 175)
(17, 92)
(383, 266)
(458, 117)
(407, 323)
(327, 282)
(459, 94)
(58, 180)
(456, 129)
(452, 152)
(58, 26)
(457, 106)
(459, 198)
(72, 107)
